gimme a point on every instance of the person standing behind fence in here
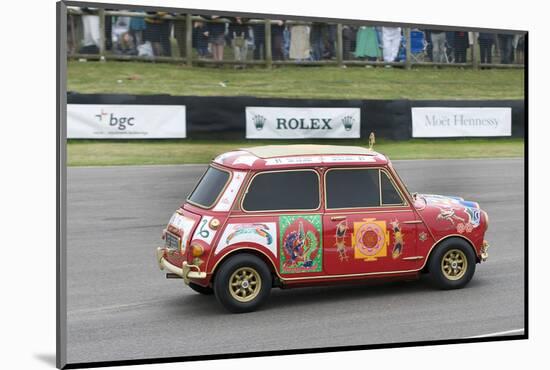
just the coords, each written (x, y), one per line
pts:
(239, 34)
(179, 33)
(460, 45)
(438, 39)
(428, 42)
(299, 42)
(316, 41)
(391, 39)
(450, 46)
(91, 33)
(330, 41)
(137, 26)
(216, 37)
(157, 32)
(277, 30)
(349, 41)
(520, 49)
(367, 44)
(200, 38)
(258, 30)
(505, 45)
(286, 42)
(486, 41)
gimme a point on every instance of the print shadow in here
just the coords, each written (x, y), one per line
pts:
(46, 358)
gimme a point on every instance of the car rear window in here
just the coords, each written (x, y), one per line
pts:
(286, 190)
(209, 187)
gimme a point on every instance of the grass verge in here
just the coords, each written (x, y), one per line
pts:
(296, 81)
(106, 153)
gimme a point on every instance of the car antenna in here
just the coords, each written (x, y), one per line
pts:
(372, 141)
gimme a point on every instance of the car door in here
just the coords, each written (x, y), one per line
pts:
(368, 224)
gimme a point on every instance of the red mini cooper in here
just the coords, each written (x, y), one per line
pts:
(301, 215)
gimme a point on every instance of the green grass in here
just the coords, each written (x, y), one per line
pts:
(101, 153)
(295, 81)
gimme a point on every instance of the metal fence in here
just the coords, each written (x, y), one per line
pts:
(102, 34)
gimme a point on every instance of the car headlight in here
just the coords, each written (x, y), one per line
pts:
(197, 250)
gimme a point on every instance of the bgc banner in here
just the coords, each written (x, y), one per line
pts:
(461, 122)
(112, 121)
(302, 123)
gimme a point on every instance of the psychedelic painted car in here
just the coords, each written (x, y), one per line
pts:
(304, 215)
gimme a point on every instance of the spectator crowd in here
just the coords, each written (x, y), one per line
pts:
(154, 35)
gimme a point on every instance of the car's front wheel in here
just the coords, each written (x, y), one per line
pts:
(242, 283)
(452, 264)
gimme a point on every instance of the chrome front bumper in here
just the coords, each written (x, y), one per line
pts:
(186, 271)
(484, 251)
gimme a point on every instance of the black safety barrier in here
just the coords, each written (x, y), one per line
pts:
(224, 117)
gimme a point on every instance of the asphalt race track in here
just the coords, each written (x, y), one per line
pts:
(121, 306)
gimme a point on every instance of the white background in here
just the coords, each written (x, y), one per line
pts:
(28, 184)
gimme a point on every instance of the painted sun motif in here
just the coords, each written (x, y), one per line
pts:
(370, 239)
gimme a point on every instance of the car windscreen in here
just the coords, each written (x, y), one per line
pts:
(209, 187)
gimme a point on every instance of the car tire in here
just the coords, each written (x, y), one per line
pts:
(452, 264)
(206, 290)
(242, 283)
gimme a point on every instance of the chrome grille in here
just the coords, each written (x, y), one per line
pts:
(172, 241)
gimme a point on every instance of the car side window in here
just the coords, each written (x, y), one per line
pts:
(283, 190)
(390, 195)
(352, 188)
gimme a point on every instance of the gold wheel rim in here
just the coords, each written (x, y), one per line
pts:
(245, 284)
(454, 264)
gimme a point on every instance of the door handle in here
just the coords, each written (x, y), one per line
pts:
(337, 218)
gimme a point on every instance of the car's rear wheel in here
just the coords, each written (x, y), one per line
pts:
(206, 290)
(242, 283)
(452, 264)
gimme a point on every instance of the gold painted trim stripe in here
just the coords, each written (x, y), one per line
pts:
(407, 209)
(276, 214)
(350, 275)
(412, 222)
(413, 258)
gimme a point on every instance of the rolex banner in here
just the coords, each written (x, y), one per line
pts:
(461, 121)
(302, 123)
(125, 121)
